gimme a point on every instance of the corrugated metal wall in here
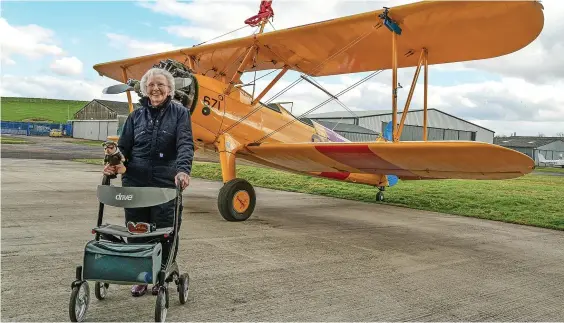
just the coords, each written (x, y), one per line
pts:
(550, 151)
(415, 133)
(94, 129)
(95, 111)
(338, 120)
(435, 119)
(357, 137)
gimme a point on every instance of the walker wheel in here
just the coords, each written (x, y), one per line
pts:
(183, 286)
(79, 300)
(162, 305)
(101, 290)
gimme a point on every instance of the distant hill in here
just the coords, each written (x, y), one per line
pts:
(39, 109)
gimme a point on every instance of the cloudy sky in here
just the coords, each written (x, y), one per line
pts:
(48, 50)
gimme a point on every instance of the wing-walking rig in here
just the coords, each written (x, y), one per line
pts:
(229, 123)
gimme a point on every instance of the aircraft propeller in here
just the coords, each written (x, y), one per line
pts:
(179, 83)
(116, 89)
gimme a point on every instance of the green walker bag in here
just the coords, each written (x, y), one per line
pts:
(122, 263)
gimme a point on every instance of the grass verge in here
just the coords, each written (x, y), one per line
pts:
(14, 141)
(95, 143)
(530, 200)
(550, 169)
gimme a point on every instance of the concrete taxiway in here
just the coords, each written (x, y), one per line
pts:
(299, 258)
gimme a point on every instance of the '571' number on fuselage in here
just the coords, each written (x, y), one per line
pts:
(213, 103)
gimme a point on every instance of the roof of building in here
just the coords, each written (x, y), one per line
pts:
(525, 142)
(346, 127)
(120, 107)
(348, 114)
(372, 113)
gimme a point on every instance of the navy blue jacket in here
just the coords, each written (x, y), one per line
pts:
(157, 144)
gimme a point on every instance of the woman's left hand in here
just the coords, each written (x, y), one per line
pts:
(183, 179)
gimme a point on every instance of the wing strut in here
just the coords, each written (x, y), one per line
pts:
(397, 135)
(124, 75)
(426, 83)
(396, 30)
(423, 59)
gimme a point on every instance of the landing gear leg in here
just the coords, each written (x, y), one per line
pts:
(237, 199)
(380, 194)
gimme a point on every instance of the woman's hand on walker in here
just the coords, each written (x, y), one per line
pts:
(183, 179)
(110, 170)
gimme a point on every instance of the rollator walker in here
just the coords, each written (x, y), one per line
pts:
(110, 259)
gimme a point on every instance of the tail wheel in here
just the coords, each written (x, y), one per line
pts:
(236, 200)
(380, 196)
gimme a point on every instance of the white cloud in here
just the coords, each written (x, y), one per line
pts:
(541, 61)
(64, 88)
(67, 66)
(203, 15)
(31, 41)
(508, 105)
(136, 47)
(527, 98)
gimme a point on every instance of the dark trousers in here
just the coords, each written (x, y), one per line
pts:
(162, 216)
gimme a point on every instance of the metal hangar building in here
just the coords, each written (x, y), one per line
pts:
(440, 125)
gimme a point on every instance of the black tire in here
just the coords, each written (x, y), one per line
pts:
(82, 302)
(161, 306)
(225, 200)
(101, 290)
(183, 288)
(380, 196)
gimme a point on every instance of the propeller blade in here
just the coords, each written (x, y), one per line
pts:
(180, 83)
(116, 89)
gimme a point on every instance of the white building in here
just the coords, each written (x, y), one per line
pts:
(440, 125)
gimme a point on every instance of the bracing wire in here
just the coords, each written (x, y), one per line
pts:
(221, 36)
(320, 105)
(338, 101)
(314, 71)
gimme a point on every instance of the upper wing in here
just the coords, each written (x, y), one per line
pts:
(407, 160)
(452, 31)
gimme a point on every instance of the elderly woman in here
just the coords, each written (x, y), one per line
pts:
(158, 148)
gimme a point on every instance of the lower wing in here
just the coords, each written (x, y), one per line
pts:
(407, 160)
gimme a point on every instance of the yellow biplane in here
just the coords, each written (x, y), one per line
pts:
(232, 124)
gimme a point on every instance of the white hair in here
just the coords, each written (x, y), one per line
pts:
(156, 71)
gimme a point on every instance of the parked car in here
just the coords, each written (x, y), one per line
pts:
(55, 133)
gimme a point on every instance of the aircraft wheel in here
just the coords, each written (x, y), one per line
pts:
(236, 200)
(380, 196)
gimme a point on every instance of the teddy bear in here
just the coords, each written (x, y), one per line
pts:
(113, 156)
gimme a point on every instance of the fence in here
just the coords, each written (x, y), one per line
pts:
(34, 128)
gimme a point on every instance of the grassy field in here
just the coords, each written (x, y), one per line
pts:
(44, 110)
(530, 200)
(12, 140)
(95, 143)
(550, 169)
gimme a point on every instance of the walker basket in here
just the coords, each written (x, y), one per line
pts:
(122, 263)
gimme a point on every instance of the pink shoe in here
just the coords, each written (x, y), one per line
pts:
(138, 290)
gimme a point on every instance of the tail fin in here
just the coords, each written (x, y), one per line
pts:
(392, 179)
(388, 132)
(541, 158)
